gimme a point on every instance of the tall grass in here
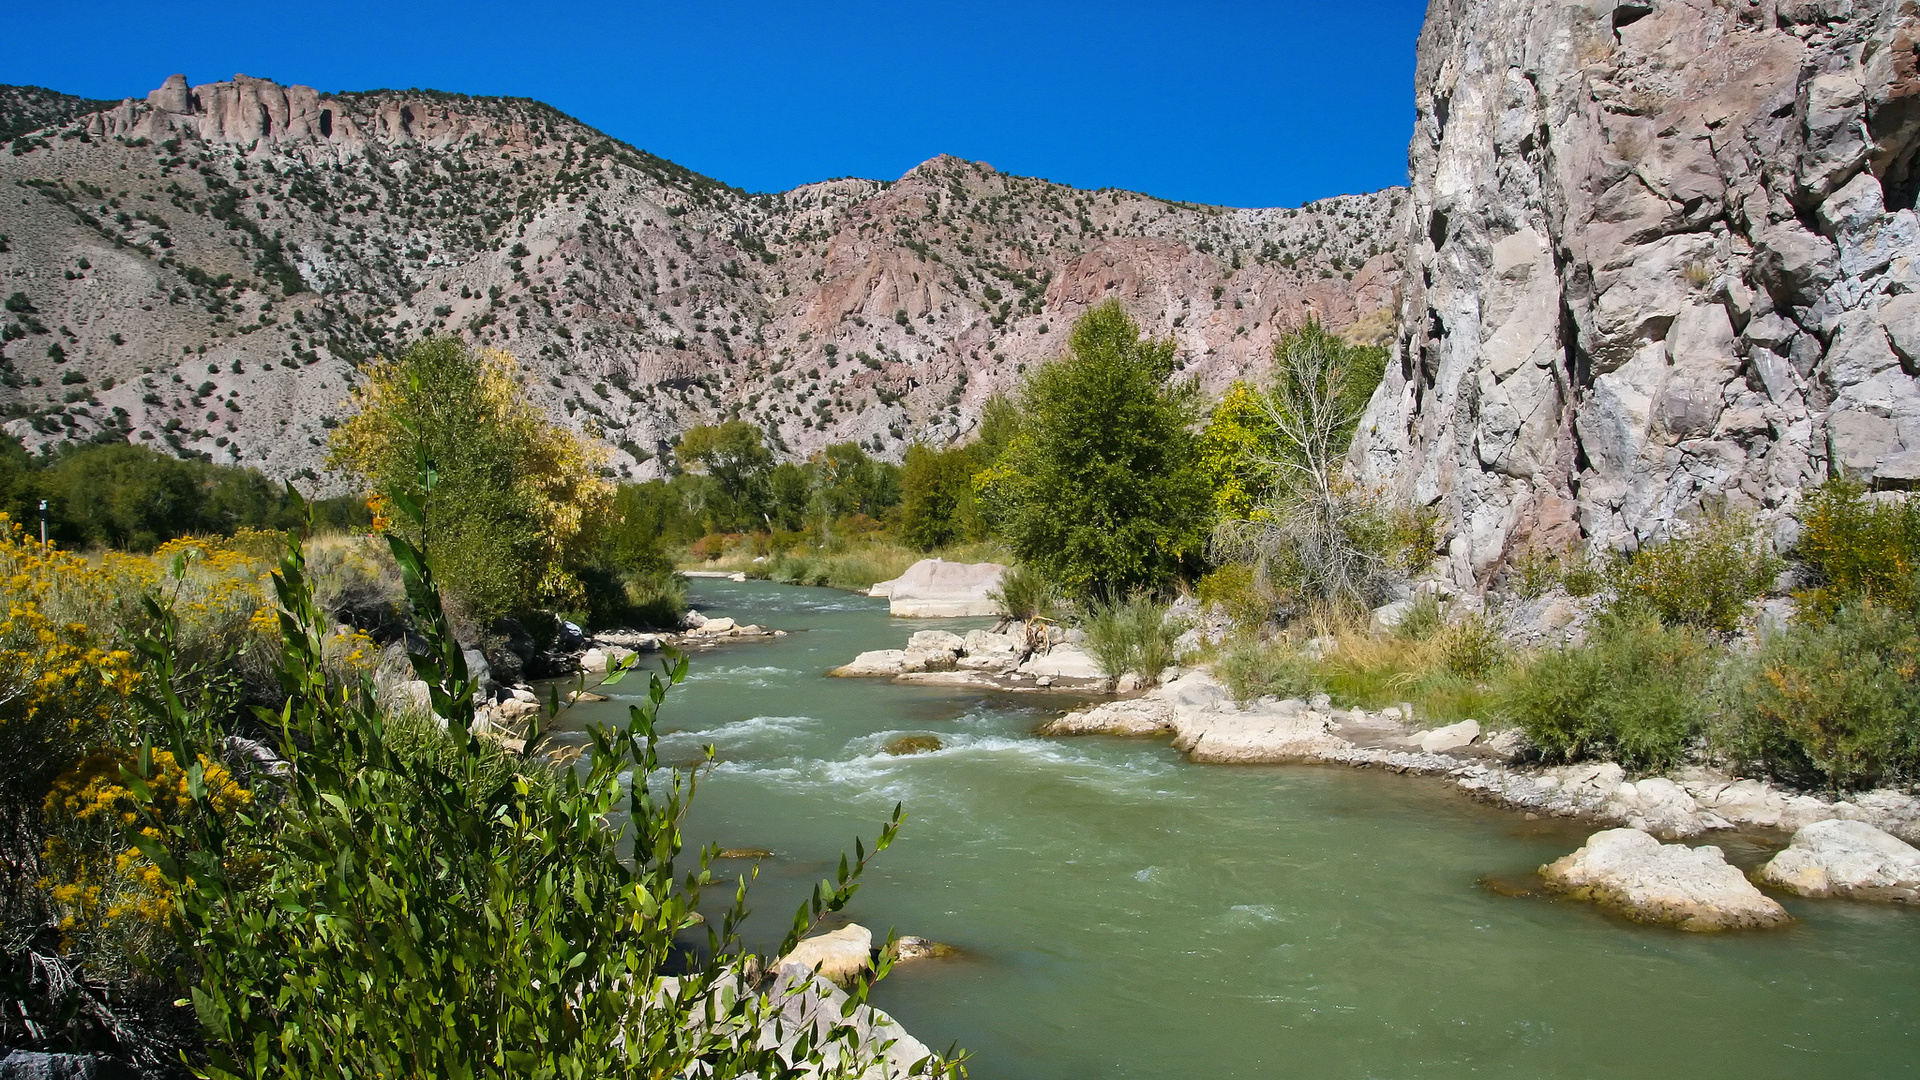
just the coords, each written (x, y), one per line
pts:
(1132, 635)
(1025, 593)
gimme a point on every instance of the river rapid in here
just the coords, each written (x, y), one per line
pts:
(1123, 913)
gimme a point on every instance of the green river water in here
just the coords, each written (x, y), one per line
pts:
(1123, 913)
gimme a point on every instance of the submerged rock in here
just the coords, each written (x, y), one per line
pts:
(919, 948)
(1696, 889)
(838, 957)
(913, 744)
(1847, 858)
(744, 853)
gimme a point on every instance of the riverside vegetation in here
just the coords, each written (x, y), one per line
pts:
(226, 850)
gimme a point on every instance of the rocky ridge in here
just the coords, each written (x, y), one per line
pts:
(1659, 260)
(206, 268)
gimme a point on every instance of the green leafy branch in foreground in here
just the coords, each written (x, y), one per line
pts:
(375, 913)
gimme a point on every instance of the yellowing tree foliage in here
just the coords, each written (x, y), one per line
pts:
(515, 489)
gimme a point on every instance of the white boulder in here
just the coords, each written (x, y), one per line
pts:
(877, 662)
(838, 957)
(1690, 888)
(1062, 662)
(1847, 858)
(937, 589)
(1452, 737)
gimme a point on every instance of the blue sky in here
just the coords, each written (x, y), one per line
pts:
(1245, 104)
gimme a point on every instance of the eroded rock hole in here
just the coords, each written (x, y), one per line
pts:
(326, 123)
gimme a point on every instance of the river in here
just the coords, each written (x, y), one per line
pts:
(1122, 913)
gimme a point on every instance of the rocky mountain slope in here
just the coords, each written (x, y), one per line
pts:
(206, 268)
(1660, 260)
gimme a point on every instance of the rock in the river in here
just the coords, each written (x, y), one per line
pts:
(913, 744)
(919, 948)
(1629, 871)
(937, 589)
(877, 662)
(1139, 716)
(840, 956)
(1847, 858)
(1452, 737)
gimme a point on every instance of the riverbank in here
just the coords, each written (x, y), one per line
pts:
(1205, 723)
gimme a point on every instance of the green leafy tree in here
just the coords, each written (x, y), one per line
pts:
(735, 458)
(1102, 488)
(518, 487)
(936, 496)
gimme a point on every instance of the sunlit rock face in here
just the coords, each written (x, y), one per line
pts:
(1658, 261)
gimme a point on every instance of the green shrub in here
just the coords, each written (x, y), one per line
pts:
(1535, 573)
(1132, 635)
(1636, 692)
(1833, 704)
(1252, 668)
(1472, 648)
(1025, 593)
(1422, 619)
(1858, 549)
(1238, 591)
(1702, 579)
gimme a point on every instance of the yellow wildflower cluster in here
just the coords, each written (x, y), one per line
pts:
(96, 877)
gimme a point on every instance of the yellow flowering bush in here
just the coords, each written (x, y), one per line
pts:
(100, 885)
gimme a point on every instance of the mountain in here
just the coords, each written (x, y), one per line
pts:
(1661, 261)
(207, 268)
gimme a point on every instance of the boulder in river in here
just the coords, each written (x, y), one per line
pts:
(918, 948)
(1137, 716)
(1063, 662)
(913, 744)
(1629, 871)
(937, 589)
(1847, 858)
(839, 956)
(875, 662)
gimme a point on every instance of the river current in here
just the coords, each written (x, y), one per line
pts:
(1122, 913)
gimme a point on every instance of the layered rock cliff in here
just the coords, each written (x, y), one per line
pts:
(206, 269)
(1659, 262)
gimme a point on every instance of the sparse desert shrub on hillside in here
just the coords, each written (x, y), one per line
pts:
(1859, 548)
(1423, 618)
(1132, 635)
(1834, 703)
(1636, 692)
(1025, 593)
(1473, 647)
(1703, 578)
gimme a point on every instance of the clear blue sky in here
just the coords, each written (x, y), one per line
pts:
(1245, 104)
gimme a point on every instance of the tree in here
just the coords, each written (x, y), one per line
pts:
(734, 456)
(518, 487)
(1313, 531)
(936, 496)
(1101, 487)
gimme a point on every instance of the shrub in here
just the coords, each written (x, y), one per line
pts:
(1702, 579)
(1252, 668)
(1635, 692)
(1535, 573)
(1239, 592)
(1422, 619)
(1859, 549)
(1473, 647)
(1025, 593)
(1132, 635)
(1832, 704)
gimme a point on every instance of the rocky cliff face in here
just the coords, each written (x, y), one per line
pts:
(1660, 260)
(208, 267)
